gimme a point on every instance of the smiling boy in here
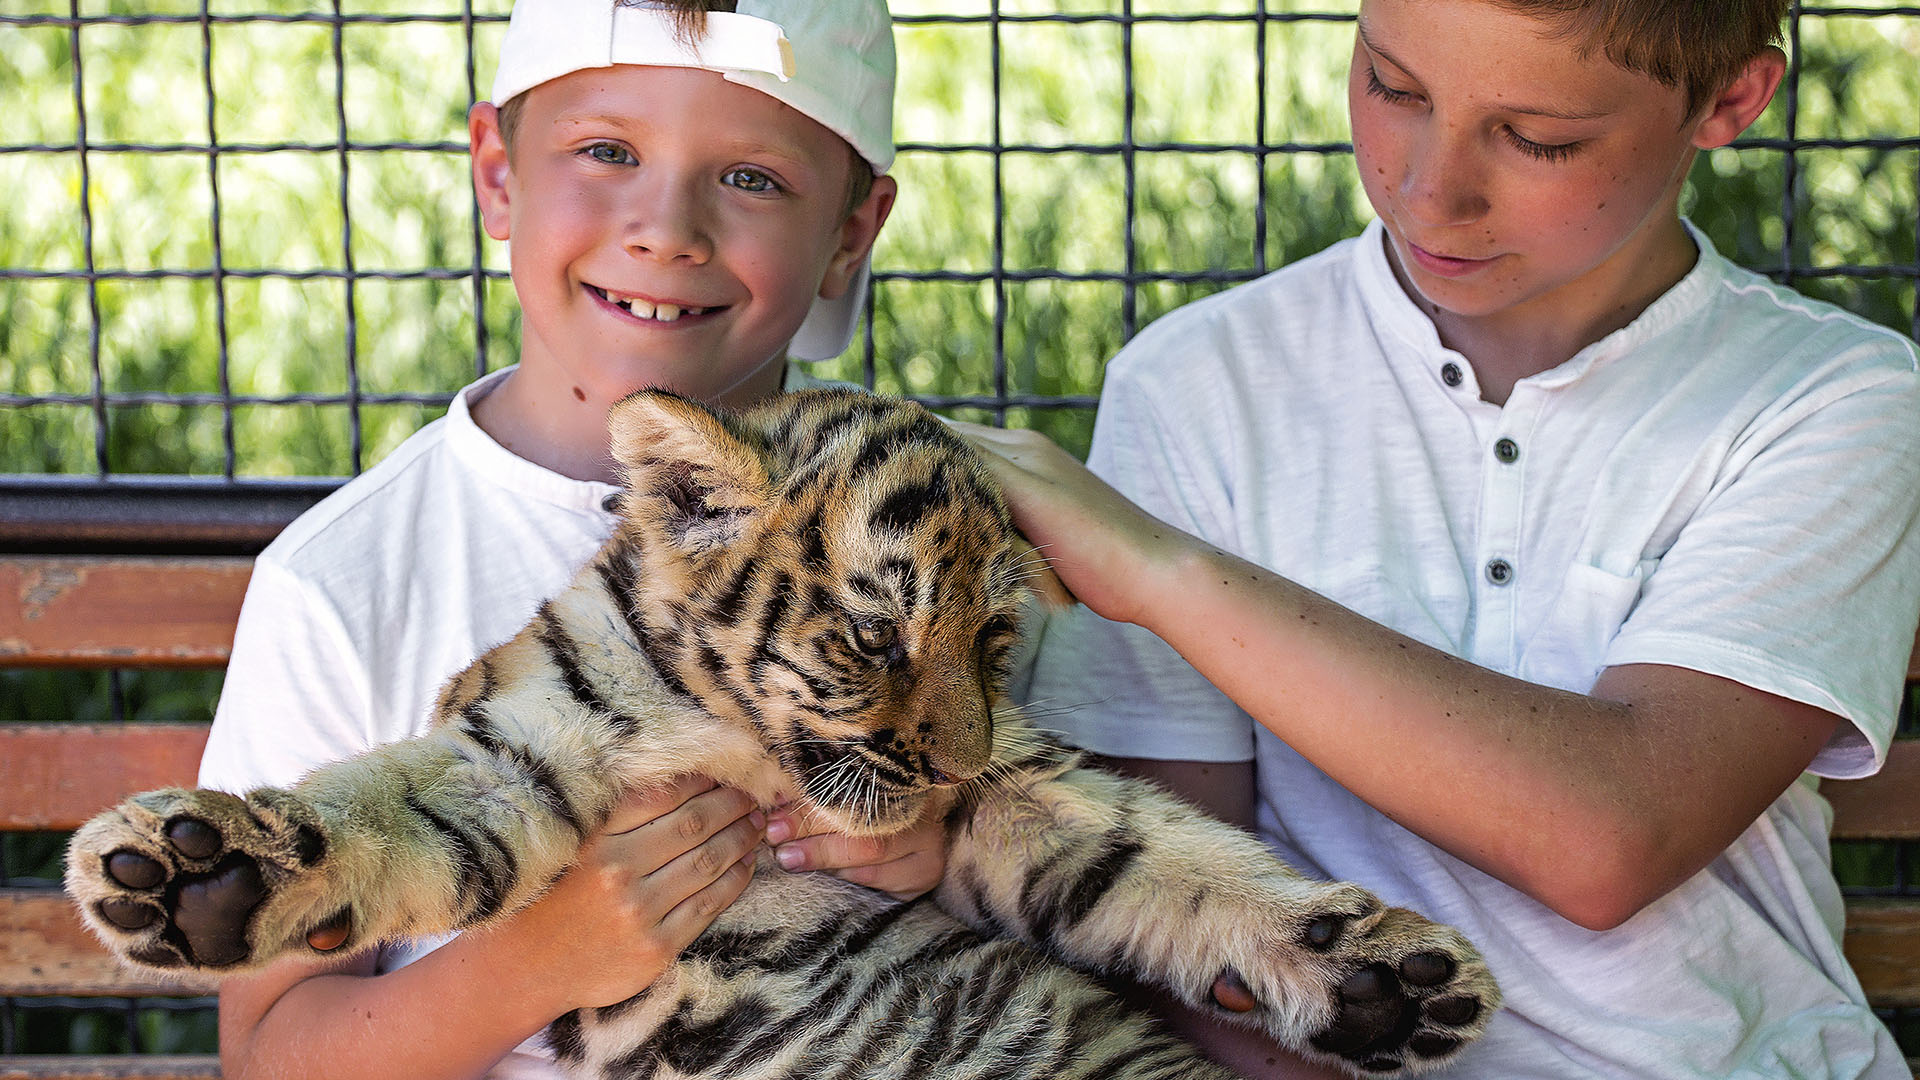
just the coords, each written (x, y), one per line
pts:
(690, 198)
(1531, 552)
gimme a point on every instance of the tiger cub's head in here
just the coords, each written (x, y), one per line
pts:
(836, 570)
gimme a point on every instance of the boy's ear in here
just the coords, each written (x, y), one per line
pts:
(857, 235)
(491, 167)
(689, 478)
(1741, 101)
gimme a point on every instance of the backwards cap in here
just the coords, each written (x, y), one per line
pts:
(832, 60)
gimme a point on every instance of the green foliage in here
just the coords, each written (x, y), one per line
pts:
(1191, 212)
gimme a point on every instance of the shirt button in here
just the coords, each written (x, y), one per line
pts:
(1499, 571)
(611, 503)
(1507, 451)
(1450, 374)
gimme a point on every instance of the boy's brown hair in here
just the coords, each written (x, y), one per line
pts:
(1697, 46)
(690, 20)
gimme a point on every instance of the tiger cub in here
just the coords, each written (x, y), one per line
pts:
(813, 601)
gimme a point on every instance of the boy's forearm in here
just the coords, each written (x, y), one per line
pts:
(451, 1015)
(1594, 804)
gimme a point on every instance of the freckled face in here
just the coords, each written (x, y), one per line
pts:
(1513, 175)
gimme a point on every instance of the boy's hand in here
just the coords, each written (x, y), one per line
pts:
(1100, 543)
(666, 864)
(904, 865)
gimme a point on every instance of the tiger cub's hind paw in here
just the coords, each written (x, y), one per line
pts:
(1387, 990)
(177, 879)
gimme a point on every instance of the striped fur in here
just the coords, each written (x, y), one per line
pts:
(815, 602)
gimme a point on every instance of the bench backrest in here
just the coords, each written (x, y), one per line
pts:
(179, 612)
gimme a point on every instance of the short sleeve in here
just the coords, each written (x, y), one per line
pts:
(1115, 688)
(295, 693)
(1800, 573)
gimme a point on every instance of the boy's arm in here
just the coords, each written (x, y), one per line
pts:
(1593, 804)
(666, 866)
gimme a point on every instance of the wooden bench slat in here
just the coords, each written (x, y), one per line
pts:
(111, 1067)
(44, 951)
(56, 776)
(120, 612)
(1884, 806)
(1883, 945)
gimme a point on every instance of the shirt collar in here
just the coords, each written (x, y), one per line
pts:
(1396, 317)
(524, 479)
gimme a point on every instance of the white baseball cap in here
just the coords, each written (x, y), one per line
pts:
(832, 60)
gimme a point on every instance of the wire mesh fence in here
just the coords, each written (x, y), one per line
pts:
(239, 244)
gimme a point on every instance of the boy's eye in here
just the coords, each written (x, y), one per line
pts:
(609, 153)
(1539, 150)
(752, 180)
(1387, 93)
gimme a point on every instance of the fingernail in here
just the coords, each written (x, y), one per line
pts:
(789, 858)
(779, 830)
(757, 819)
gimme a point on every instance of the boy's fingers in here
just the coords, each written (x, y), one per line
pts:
(835, 851)
(642, 805)
(704, 903)
(906, 878)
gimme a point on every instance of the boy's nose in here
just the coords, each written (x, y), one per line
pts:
(667, 225)
(1442, 183)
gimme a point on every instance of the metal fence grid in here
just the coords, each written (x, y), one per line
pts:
(1144, 284)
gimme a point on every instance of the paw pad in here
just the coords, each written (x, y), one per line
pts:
(192, 838)
(1231, 993)
(1427, 968)
(1322, 931)
(134, 870)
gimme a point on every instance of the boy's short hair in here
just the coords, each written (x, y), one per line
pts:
(1697, 46)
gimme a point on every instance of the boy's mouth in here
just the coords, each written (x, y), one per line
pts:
(642, 308)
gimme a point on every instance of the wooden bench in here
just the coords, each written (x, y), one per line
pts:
(117, 611)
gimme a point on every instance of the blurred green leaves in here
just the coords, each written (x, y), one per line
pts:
(1013, 266)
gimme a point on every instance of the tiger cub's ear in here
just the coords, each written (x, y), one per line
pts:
(689, 475)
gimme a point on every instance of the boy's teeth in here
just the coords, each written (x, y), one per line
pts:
(647, 309)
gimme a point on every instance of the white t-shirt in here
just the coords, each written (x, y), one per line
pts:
(1729, 484)
(360, 611)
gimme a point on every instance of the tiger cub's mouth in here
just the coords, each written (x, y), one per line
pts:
(863, 789)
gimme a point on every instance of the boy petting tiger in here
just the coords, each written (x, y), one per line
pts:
(551, 862)
(1517, 558)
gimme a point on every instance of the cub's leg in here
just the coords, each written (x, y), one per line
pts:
(418, 837)
(1111, 874)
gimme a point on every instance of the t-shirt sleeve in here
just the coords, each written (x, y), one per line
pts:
(295, 692)
(1800, 573)
(1111, 687)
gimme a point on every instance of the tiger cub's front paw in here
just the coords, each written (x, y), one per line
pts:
(177, 879)
(1378, 989)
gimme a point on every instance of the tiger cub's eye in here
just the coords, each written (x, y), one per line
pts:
(875, 636)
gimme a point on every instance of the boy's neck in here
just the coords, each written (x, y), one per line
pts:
(554, 428)
(1541, 334)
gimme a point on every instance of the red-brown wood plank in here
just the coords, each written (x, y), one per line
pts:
(44, 950)
(1883, 944)
(56, 776)
(111, 1067)
(1884, 806)
(124, 612)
